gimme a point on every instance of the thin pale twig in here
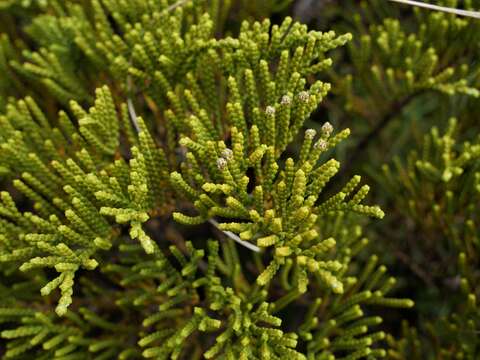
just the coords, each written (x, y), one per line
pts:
(468, 13)
(133, 114)
(235, 237)
(177, 4)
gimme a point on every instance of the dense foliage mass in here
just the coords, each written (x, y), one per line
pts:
(178, 180)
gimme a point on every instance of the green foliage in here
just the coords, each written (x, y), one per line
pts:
(171, 188)
(443, 186)
(429, 186)
(443, 170)
(394, 62)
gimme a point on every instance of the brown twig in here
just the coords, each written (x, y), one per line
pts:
(415, 268)
(362, 145)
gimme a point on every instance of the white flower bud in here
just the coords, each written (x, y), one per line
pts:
(321, 145)
(310, 134)
(286, 100)
(304, 96)
(327, 129)
(221, 163)
(270, 110)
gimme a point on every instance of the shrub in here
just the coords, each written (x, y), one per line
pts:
(171, 188)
